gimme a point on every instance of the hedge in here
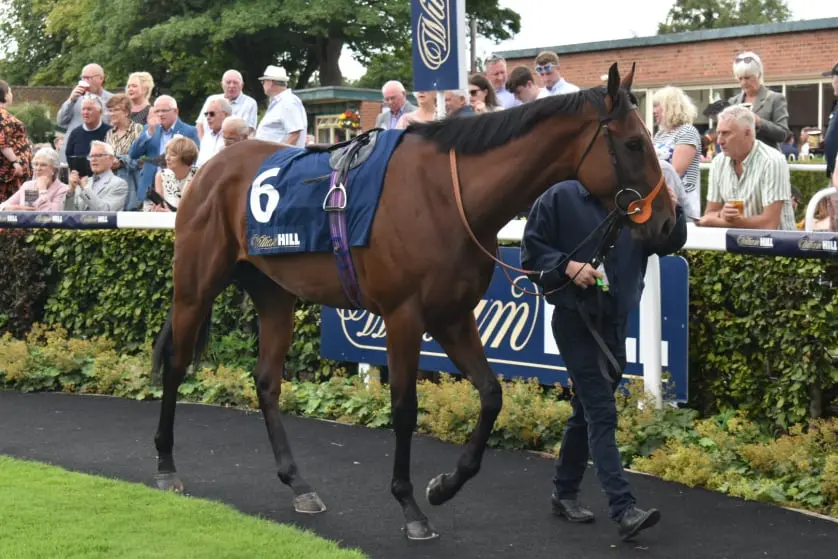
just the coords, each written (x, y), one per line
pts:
(726, 452)
(761, 330)
(118, 284)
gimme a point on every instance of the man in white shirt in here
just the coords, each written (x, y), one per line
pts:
(244, 105)
(285, 121)
(213, 141)
(749, 184)
(522, 85)
(547, 67)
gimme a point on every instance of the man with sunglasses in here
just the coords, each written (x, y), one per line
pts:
(547, 67)
(212, 142)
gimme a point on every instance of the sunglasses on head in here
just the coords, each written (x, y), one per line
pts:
(545, 68)
(747, 59)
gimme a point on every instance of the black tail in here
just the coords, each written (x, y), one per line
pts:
(161, 355)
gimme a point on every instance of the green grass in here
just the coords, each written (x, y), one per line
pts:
(50, 513)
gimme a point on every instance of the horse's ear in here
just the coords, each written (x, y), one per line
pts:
(613, 83)
(626, 83)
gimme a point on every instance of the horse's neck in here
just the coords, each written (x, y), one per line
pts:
(503, 182)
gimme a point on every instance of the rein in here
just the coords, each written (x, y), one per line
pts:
(639, 210)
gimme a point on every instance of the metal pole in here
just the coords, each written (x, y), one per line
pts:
(473, 24)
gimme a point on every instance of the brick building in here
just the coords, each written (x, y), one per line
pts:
(701, 62)
(324, 104)
(53, 96)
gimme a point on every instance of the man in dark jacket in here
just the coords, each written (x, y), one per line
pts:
(601, 297)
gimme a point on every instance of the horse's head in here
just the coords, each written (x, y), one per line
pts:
(620, 166)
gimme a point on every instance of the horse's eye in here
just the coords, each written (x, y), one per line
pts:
(635, 144)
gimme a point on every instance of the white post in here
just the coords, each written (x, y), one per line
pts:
(650, 331)
(364, 372)
(440, 105)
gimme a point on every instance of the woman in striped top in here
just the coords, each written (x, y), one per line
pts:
(677, 141)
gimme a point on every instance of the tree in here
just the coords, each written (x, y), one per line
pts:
(187, 46)
(691, 15)
(25, 45)
(395, 64)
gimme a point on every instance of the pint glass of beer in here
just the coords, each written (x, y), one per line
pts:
(740, 206)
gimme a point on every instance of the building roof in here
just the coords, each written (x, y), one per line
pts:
(685, 37)
(336, 93)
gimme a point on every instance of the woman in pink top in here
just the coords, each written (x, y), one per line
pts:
(45, 192)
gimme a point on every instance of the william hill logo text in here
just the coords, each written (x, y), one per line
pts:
(754, 242)
(287, 240)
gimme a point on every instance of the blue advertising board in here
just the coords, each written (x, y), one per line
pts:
(795, 244)
(516, 334)
(439, 53)
(58, 220)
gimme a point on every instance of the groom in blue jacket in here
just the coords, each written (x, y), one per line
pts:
(163, 124)
(558, 224)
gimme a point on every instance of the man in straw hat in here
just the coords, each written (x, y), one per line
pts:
(285, 121)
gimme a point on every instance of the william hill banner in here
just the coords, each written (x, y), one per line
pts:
(516, 334)
(438, 30)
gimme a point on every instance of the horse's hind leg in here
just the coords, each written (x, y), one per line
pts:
(176, 348)
(275, 308)
(404, 339)
(461, 342)
(198, 280)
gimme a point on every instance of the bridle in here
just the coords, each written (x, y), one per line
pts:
(638, 209)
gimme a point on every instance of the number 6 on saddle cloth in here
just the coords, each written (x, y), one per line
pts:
(320, 199)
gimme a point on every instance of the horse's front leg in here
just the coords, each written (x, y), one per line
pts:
(404, 339)
(461, 341)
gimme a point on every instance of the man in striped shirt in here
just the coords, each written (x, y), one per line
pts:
(749, 185)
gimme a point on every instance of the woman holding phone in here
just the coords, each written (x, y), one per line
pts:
(171, 183)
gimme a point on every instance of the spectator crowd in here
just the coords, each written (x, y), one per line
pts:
(126, 151)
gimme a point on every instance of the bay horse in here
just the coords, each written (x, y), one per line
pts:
(448, 184)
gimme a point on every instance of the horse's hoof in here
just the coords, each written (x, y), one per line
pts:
(169, 482)
(419, 530)
(309, 503)
(435, 493)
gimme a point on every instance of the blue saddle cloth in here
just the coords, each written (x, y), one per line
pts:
(285, 215)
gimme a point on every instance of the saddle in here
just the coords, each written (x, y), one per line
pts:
(349, 154)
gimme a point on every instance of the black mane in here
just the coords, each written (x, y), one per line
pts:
(478, 134)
